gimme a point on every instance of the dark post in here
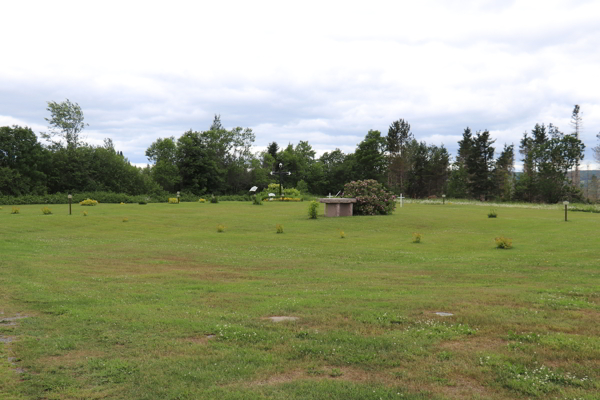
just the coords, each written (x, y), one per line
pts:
(70, 199)
(281, 173)
(177, 197)
(566, 203)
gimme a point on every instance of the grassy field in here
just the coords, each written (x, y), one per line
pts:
(152, 302)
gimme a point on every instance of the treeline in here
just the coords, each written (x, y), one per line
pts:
(220, 161)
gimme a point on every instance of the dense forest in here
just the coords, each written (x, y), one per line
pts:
(220, 161)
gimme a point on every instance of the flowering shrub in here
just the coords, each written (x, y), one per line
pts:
(88, 202)
(173, 200)
(201, 200)
(46, 211)
(371, 197)
(15, 210)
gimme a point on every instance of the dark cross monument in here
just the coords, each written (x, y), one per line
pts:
(281, 174)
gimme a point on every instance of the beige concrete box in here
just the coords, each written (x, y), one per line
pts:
(338, 207)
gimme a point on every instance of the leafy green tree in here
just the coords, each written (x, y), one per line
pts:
(165, 172)
(548, 155)
(370, 158)
(22, 162)
(66, 123)
(429, 170)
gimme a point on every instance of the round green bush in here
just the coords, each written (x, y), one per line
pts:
(371, 197)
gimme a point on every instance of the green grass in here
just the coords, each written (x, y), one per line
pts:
(167, 307)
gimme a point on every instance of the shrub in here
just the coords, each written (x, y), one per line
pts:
(214, 199)
(46, 211)
(142, 203)
(15, 210)
(371, 197)
(417, 237)
(257, 200)
(88, 202)
(492, 214)
(173, 200)
(220, 228)
(313, 207)
(279, 228)
(302, 186)
(503, 242)
(201, 200)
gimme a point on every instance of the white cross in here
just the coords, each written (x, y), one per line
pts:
(401, 198)
(329, 196)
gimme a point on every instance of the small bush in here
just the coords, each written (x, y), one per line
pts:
(342, 235)
(503, 242)
(142, 203)
(46, 211)
(173, 200)
(279, 228)
(257, 200)
(15, 210)
(492, 214)
(417, 237)
(88, 202)
(214, 199)
(201, 200)
(313, 207)
(220, 228)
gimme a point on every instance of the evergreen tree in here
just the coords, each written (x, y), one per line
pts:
(399, 135)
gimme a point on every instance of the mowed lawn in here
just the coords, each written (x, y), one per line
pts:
(163, 306)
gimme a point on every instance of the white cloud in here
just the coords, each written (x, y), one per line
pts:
(325, 72)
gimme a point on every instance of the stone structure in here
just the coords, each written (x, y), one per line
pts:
(336, 207)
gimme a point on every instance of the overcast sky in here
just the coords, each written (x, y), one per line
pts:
(322, 71)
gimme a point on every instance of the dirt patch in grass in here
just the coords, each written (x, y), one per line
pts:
(320, 373)
(474, 345)
(199, 339)
(70, 359)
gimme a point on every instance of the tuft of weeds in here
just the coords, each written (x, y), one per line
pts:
(85, 213)
(335, 372)
(15, 210)
(492, 213)
(503, 242)
(46, 211)
(220, 228)
(342, 234)
(417, 237)
(279, 228)
(125, 219)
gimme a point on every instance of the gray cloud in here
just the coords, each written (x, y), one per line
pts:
(325, 77)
